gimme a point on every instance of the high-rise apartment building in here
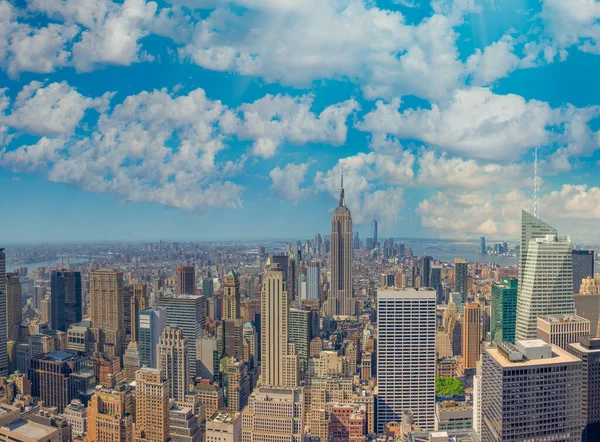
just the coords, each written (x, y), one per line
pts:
(562, 330)
(588, 350)
(471, 335)
(374, 233)
(583, 267)
(231, 296)
(189, 314)
(3, 328)
(186, 280)
(546, 284)
(66, 301)
(110, 415)
(504, 310)
(406, 358)
(173, 362)
(461, 272)
(107, 311)
(532, 392)
(14, 306)
(152, 322)
(313, 280)
(151, 406)
(340, 301)
(139, 301)
(274, 414)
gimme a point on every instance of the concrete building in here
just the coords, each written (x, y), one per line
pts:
(347, 423)
(207, 357)
(452, 415)
(14, 306)
(152, 322)
(110, 415)
(233, 338)
(186, 280)
(189, 314)
(588, 307)
(224, 426)
(3, 328)
(561, 330)
(183, 424)
(15, 428)
(471, 335)
(461, 274)
(151, 406)
(504, 310)
(75, 414)
(79, 337)
(588, 350)
(139, 301)
(340, 301)
(211, 396)
(532, 392)
(107, 311)
(173, 362)
(274, 413)
(231, 296)
(313, 280)
(237, 385)
(131, 361)
(406, 360)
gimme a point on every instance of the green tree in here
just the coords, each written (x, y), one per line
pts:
(446, 386)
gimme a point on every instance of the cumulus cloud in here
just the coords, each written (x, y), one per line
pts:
(573, 23)
(494, 62)
(286, 182)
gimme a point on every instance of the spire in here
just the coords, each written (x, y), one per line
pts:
(342, 201)
(535, 185)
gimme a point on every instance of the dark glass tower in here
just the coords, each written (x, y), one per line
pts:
(65, 298)
(583, 267)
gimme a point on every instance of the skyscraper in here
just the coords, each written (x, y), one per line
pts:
(14, 306)
(374, 233)
(3, 328)
(483, 250)
(313, 280)
(231, 296)
(356, 241)
(461, 271)
(152, 323)
(531, 228)
(436, 283)
(139, 301)
(504, 310)
(300, 333)
(65, 295)
(583, 267)
(562, 330)
(186, 280)
(151, 406)
(546, 284)
(189, 314)
(207, 287)
(531, 391)
(471, 335)
(110, 415)
(276, 359)
(107, 311)
(406, 356)
(340, 301)
(173, 361)
(425, 271)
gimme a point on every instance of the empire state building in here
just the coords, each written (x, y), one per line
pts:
(340, 301)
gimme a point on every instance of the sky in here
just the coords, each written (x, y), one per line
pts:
(138, 120)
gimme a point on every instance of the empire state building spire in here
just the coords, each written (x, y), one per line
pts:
(342, 200)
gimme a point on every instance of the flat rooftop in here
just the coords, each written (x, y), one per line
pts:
(29, 429)
(559, 356)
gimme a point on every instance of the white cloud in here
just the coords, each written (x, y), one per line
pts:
(32, 158)
(476, 123)
(52, 110)
(286, 182)
(572, 23)
(494, 62)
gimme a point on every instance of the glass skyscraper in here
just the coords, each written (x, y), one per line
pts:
(504, 310)
(583, 267)
(66, 301)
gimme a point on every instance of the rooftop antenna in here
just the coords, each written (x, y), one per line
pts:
(535, 185)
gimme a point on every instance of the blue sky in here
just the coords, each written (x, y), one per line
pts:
(211, 119)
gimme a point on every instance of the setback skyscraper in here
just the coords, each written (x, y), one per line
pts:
(173, 361)
(107, 311)
(340, 300)
(231, 296)
(65, 295)
(546, 283)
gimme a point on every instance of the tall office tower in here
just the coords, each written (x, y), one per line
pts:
(187, 313)
(3, 328)
(54, 377)
(482, 248)
(46, 311)
(562, 330)
(153, 321)
(504, 310)
(237, 385)
(151, 406)
(66, 303)
(208, 287)
(233, 338)
(546, 284)
(186, 280)
(461, 272)
(110, 415)
(583, 267)
(425, 271)
(471, 335)
(532, 392)
(300, 333)
(231, 296)
(14, 306)
(374, 233)
(388, 280)
(436, 283)
(274, 414)
(107, 311)
(301, 286)
(274, 328)
(313, 280)
(139, 301)
(340, 301)
(406, 356)
(531, 228)
(356, 241)
(588, 350)
(173, 362)
(131, 361)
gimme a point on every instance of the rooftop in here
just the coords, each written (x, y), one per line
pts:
(570, 318)
(559, 356)
(223, 416)
(29, 430)
(62, 355)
